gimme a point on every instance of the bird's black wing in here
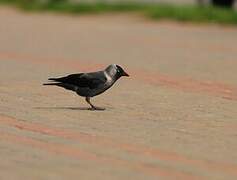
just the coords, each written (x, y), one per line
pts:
(91, 80)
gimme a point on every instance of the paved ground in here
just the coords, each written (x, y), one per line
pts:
(175, 118)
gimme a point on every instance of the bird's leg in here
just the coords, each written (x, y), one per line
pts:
(92, 106)
(89, 102)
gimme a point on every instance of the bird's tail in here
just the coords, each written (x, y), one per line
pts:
(48, 84)
(54, 83)
(53, 79)
(66, 86)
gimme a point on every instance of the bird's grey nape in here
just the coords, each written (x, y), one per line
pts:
(111, 70)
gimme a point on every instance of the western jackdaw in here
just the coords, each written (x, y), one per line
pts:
(90, 84)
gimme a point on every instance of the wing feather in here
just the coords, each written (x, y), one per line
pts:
(91, 80)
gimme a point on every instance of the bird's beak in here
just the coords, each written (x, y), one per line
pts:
(125, 74)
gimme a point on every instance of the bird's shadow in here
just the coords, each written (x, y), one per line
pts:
(69, 108)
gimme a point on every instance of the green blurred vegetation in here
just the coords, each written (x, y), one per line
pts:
(154, 11)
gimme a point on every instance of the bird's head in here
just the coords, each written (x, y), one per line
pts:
(116, 71)
(120, 71)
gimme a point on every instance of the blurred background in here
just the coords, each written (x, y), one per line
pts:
(226, 3)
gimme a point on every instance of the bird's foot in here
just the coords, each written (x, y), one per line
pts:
(94, 108)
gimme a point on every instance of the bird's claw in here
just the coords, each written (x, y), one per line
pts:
(96, 108)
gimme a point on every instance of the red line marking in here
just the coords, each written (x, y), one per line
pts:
(185, 84)
(191, 85)
(131, 148)
(81, 154)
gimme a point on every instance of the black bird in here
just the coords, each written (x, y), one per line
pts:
(90, 84)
